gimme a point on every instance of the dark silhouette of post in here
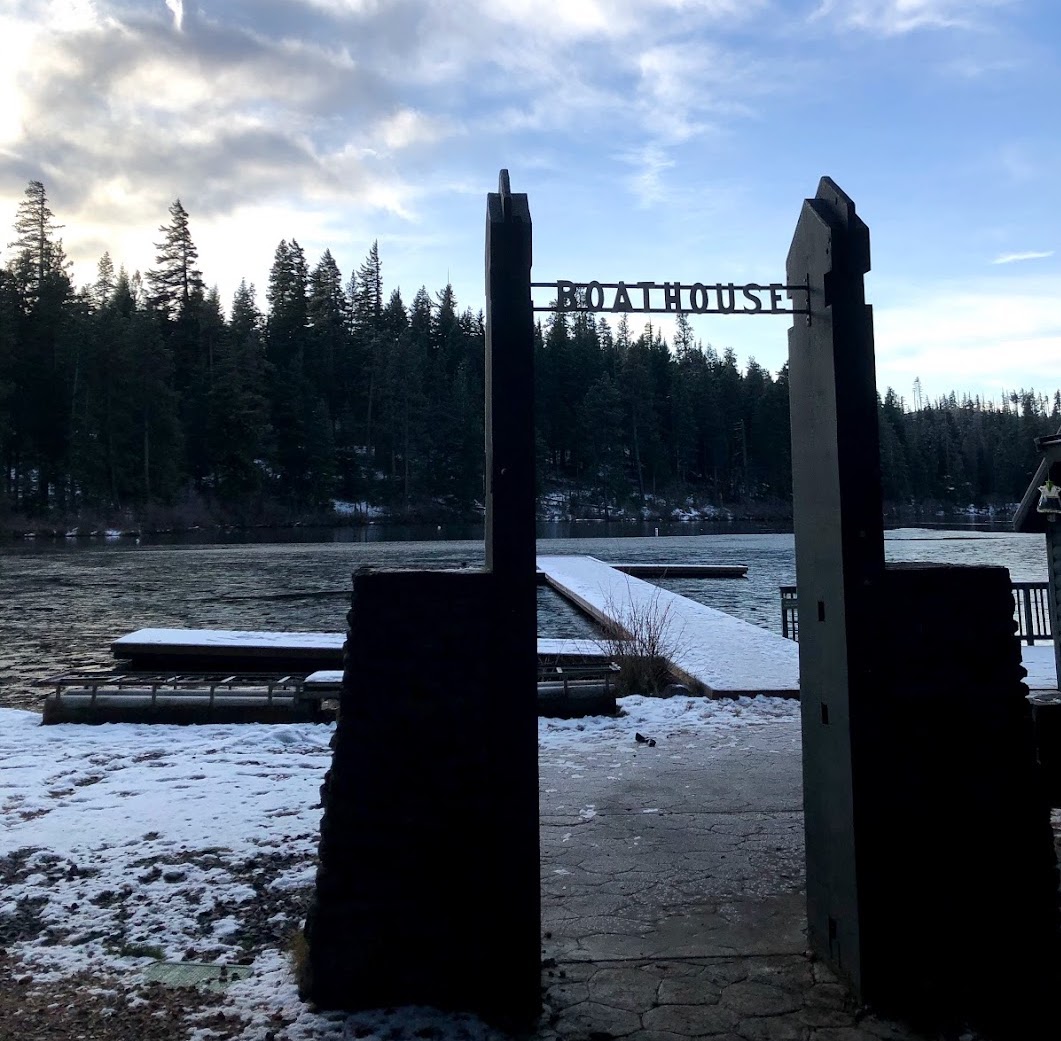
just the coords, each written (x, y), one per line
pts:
(837, 518)
(931, 875)
(510, 493)
(510, 558)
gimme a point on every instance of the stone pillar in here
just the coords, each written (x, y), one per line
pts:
(422, 885)
(957, 877)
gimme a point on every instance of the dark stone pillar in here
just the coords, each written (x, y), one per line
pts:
(957, 878)
(422, 891)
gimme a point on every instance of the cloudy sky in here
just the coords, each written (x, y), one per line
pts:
(657, 139)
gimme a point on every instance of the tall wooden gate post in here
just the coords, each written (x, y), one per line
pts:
(931, 874)
(837, 513)
(511, 559)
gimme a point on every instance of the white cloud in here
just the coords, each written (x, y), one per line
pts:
(1012, 258)
(409, 127)
(177, 7)
(893, 17)
(646, 183)
(981, 337)
(687, 88)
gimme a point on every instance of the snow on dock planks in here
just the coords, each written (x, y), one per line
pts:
(298, 652)
(230, 649)
(710, 650)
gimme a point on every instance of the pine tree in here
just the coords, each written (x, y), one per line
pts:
(238, 429)
(38, 254)
(9, 320)
(328, 313)
(176, 282)
(366, 296)
(105, 280)
(304, 445)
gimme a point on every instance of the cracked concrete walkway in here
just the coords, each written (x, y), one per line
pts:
(673, 893)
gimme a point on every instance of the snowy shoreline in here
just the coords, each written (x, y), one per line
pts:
(123, 843)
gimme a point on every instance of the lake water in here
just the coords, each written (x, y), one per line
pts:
(63, 602)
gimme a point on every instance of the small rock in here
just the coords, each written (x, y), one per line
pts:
(676, 690)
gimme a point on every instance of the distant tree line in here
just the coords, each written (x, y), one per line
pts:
(134, 392)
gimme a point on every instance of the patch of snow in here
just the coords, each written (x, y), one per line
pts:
(236, 638)
(128, 837)
(723, 653)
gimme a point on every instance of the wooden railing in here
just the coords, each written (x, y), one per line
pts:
(1031, 609)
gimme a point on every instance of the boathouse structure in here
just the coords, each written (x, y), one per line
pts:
(1040, 512)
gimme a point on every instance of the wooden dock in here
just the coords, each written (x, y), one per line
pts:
(237, 650)
(710, 650)
(683, 570)
(273, 651)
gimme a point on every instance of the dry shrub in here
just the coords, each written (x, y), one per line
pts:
(641, 640)
(298, 948)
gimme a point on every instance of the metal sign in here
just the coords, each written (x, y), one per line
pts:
(675, 297)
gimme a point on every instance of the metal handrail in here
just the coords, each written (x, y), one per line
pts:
(1031, 610)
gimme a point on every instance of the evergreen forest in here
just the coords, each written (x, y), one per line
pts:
(142, 395)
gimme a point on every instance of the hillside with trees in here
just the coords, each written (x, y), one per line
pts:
(140, 397)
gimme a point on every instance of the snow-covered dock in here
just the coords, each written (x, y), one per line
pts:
(1038, 659)
(711, 650)
(305, 652)
(229, 648)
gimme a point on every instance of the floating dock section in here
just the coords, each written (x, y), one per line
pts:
(271, 651)
(683, 570)
(229, 649)
(711, 651)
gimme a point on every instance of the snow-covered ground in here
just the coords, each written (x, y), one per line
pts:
(121, 844)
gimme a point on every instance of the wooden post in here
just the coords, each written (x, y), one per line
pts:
(510, 556)
(1053, 592)
(510, 498)
(837, 518)
(919, 790)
